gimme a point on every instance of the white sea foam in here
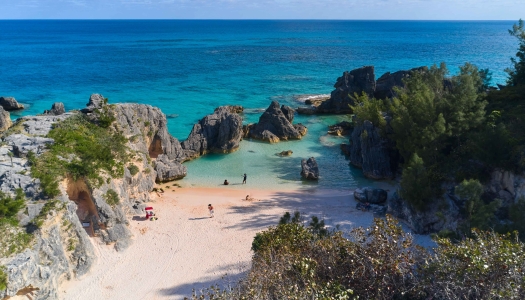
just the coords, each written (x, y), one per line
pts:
(303, 98)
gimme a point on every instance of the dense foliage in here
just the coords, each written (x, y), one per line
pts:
(82, 150)
(517, 73)
(291, 261)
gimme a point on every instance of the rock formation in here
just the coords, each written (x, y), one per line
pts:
(370, 195)
(433, 219)
(285, 153)
(51, 259)
(310, 170)
(219, 132)
(275, 124)
(168, 170)
(372, 152)
(56, 109)
(5, 120)
(358, 81)
(341, 128)
(95, 102)
(10, 103)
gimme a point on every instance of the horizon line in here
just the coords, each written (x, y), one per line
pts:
(262, 19)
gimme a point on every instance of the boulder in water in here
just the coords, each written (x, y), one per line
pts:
(310, 170)
(10, 103)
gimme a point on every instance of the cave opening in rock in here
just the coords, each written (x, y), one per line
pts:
(87, 213)
(155, 148)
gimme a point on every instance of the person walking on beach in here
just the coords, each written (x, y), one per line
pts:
(244, 179)
(210, 209)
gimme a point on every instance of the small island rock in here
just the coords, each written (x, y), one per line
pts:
(275, 124)
(310, 170)
(56, 109)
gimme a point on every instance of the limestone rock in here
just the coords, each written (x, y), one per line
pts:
(372, 152)
(432, 220)
(386, 83)
(169, 170)
(341, 128)
(219, 132)
(310, 170)
(5, 120)
(22, 144)
(10, 103)
(275, 125)
(370, 195)
(56, 109)
(356, 81)
(285, 153)
(96, 101)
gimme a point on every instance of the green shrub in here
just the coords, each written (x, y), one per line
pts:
(9, 207)
(3, 279)
(111, 197)
(133, 170)
(82, 150)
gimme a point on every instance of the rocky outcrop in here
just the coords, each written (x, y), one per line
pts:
(372, 152)
(96, 101)
(285, 153)
(168, 170)
(341, 128)
(57, 109)
(5, 120)
(439, 215)
(310, 170)
(357, 81)
(386, 83)
(59, 252)
(52, 259)
(370, 195)
(275, 124)
(10, 103)
(219, 132)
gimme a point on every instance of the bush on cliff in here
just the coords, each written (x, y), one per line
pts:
(82, 150)
(9, 207)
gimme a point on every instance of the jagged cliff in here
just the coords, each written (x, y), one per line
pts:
(60, 247)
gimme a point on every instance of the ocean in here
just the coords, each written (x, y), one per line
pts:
(189, 67)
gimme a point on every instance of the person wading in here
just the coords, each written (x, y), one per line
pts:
(244, 178)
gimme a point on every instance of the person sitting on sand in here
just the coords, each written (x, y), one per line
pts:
(210, 209)
(226, 182)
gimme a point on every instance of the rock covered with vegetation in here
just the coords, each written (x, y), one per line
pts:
(275, 124)
(76, 174)
(219, 132)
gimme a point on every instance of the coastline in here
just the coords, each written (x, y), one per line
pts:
(185, 249)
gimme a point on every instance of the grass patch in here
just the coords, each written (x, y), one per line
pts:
(133, 170)
(3, 279)
(82, 150)
(111, 197)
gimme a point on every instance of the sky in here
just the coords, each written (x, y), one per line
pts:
(265, 9)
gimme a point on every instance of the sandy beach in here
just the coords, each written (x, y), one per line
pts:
(186, 249)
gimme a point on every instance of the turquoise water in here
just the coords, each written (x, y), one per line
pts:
(187, 68)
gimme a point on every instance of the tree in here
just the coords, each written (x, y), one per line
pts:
(517, 73)
(479, 215)
(417, 186)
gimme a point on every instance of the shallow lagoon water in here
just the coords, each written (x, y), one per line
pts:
(267, 170)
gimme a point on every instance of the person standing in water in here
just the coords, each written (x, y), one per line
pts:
(210, 209)
(244, 179)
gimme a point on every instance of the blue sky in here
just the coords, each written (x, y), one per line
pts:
(264, 9)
